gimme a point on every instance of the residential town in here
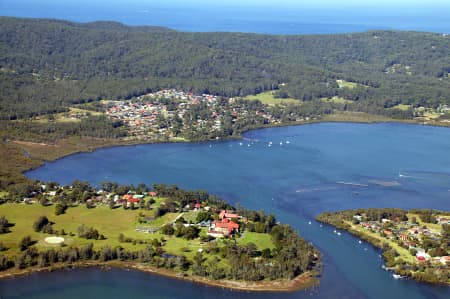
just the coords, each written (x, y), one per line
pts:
(176, 115)
(410, 235)
(415, 243)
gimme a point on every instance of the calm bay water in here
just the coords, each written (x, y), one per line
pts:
(329, 166)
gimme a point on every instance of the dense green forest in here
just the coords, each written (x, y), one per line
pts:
(46, 65)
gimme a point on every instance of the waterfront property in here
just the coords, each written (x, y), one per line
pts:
(415, 244)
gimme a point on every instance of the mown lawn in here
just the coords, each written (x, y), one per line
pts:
(108, 222)
(181, 246)
(268, 99)
(402, 107)
(64, 118)
(160, 221)
(262, 241)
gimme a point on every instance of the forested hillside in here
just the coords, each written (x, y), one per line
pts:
(46, 65)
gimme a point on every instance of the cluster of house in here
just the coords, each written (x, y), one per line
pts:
(155, 115)
(143, 117)
(407, 234)
(443, 108)
(428, 112)
(225, 226)
(132, 197)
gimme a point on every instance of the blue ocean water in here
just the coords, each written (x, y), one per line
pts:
(307, 170)
(274, 19)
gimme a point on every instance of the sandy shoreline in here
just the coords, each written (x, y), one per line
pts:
(303, 281)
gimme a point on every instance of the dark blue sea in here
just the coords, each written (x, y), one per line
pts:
(307, 170)
(275, 17)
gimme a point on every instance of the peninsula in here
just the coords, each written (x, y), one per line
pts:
(165, 230)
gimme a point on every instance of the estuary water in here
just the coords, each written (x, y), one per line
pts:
(294, 172)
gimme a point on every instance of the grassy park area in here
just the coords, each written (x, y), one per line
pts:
(261, 241)
(268, 98)
(109, 222)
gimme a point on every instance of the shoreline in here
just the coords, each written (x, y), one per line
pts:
(301, 282)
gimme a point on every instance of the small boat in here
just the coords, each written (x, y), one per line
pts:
(396, 276)
(240, 143)
(360, 242)
(269, 145)
(334, 231)
(338, 233)
(309, 223)
(287, 142)
(281, 143)
(248, 145)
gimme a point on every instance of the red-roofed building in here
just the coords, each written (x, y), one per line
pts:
(127, 197)
(130, 198)
(197, 206)
(152, 193)
(225, 215)
(223, 228)
(421, 259)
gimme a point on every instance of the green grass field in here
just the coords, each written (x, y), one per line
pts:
(268, 99)
(111, 223)
(402, 107)
(108, 222)
(167, 218)
(64, 117)
(177, 246)
(261, 241)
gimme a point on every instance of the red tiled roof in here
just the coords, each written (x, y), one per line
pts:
(224, 214)
(226, 224)
(420, 258)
